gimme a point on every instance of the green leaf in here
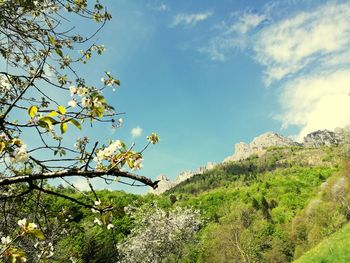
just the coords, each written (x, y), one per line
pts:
(47, 122)
(63, 127)
(2, 146)
(52, 40)
(37, 233)
(99, 111)
(59, 52)
(106, 218)
(62, 109)
(32, 110)
(101, 99)
(76, 123)
(53, 114)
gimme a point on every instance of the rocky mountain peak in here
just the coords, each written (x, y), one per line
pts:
(259, 144)
(321, 138)
(269, 139)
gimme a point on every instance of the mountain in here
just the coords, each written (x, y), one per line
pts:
(258, 147)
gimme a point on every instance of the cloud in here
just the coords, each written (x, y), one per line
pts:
(316, 101)
(305, 56)
(81, 184)
(136, 132)
(190, 19)
(248, 21)
(161, 7)
(292, 44)
(231, 35)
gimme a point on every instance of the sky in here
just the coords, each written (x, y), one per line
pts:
(205, 75)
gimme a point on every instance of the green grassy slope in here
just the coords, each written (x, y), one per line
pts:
(335, 249)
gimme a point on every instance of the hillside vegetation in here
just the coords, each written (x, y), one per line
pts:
(273, 208)
(336, 248)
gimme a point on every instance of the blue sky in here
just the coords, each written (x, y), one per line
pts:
(205, 75)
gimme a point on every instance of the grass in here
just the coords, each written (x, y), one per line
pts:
(336, 248)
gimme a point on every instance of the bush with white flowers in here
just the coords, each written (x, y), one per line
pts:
(159, 235)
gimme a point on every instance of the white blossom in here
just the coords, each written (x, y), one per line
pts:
(98, 221)
(20, 154)
(22, 222)
(106, 153)
(138, 164)
(73, 90)
(72, 103)
(86, 102)
(158, 234)
(94, 210)
(6, 240)
(82, 91)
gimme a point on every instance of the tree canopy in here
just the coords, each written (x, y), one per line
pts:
(39, 44)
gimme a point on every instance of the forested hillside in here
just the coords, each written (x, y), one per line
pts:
(272, 208)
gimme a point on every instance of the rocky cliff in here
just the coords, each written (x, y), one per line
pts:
(321, 138)
(259, 146)
(165, 184)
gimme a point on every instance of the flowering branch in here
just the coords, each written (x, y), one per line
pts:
(27, 178)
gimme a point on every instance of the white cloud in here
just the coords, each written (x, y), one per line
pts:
(162, 7)
(136, 132)
(291, 44)
(318, 101)
(190, 19)
(247, 22)
(307, 55)
(232, 35)
(81, 184)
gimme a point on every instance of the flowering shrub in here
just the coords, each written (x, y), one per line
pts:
(8, 247)
(159, 235)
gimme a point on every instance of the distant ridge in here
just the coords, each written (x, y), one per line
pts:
(259, 146)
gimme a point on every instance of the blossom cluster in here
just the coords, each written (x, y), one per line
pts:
(16, 254)
(158, 235)
(46, 250)
(108, 152)
(110, 81)
(20, 155)
(25, 225)
(16, 148)
(81, 92)
(105, 220)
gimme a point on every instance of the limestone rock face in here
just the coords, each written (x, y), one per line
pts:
(165, 184)
(258, 146)
(321, 138)
(269, 139)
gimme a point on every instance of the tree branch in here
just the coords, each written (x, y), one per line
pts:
(27, 178)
